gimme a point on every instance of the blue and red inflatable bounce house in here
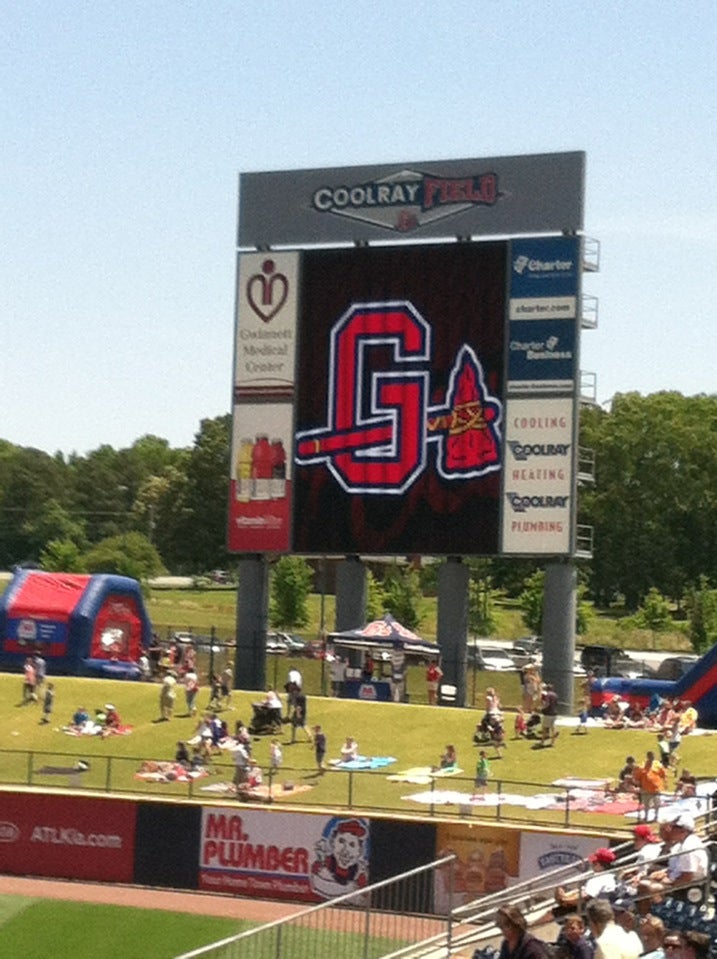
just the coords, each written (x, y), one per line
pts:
(83, 625)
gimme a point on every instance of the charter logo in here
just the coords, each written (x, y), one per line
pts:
(524, 264)
(407, 200)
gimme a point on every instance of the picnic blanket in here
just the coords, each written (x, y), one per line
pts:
(423, 775)
(168, 772)
(362, 762)
(96, 729)
(278, 791)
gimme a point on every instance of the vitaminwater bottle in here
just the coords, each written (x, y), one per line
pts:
(243, 485)
(261, 468)
(278, 470)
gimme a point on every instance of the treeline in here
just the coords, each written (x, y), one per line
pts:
(653, 505)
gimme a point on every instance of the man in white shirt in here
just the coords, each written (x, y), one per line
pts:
(611, 940)
(687, 865)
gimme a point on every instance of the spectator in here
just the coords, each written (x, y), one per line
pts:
(299, 716)
(625, 916)
(601, 884)
(337, 668)
(686, 785)
(611, 940)
(651, 931)
(275, 756)
(572, 942)
(520, 726)
(48, 703)
(182, 756)
(482, 772)
(650, 779)
(367, 669)
(434, 675)
(449, 759)
(549, 712)
(349, 750)
(167, 696)
(687, 865)
(518, 943)
(29, 682)
(226, 684)
(319, 748)
(191, 690)
(241, 768)
(694, 945)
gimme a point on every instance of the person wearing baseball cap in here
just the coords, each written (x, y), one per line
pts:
(647, 845)
(687, 865)
(601, 884)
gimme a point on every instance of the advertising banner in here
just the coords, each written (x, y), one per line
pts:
(491, 196)
(538, 476)
(264, 390)
(541, 852)
(70, 837)
(283, 855)
(542, 356)
(487, 861)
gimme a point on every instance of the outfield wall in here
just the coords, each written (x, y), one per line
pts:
(263, 852)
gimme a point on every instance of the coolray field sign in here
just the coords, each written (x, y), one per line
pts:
(410, 397)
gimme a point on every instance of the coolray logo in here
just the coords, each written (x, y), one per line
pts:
(407, 200)
(521, 503)
(523, 264)
(378, 422)
(9, 832)
(523, 451)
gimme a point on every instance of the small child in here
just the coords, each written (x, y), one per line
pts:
(482, 772)
(520, 727)
(48, 702)
(275, 755)
(583, 718)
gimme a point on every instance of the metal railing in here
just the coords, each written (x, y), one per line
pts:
(435, 796)
(367, 924)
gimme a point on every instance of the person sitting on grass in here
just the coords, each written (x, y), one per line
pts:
(449, 759)
(349, 750)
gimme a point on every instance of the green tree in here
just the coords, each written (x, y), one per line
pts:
(481, 615)
(291, 582)
(402, 595)
(194, 506)
(654, 504)
(702, 617)
(532, 601)
(129, 554)
(30, 483)
(62, 556)
(374, 597)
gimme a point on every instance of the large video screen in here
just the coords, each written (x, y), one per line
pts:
(380, 391)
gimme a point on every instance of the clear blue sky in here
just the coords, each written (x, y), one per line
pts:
(125, 125)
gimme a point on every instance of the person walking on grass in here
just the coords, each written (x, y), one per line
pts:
(482, 773)
(319, 748)
(48, 702)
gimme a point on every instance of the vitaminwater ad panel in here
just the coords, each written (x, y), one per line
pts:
(538, 476)
(399, 400)
(262, 433)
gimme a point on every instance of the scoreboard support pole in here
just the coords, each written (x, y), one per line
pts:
(252, 622)
(452, 623)
(559, 610)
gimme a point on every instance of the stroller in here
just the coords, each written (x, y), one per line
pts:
(490, 730)
(266, 720)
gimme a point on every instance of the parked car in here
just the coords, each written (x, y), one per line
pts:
(609, 661)
(489, 657)
(675, 667)
(521, 657)
(531, 644)
(286, 644)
